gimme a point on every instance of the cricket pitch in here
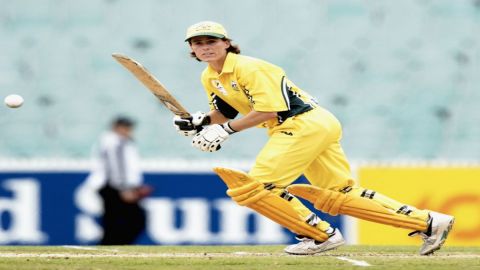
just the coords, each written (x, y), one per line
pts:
(232, 257)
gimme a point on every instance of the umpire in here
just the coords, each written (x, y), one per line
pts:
(118, 165)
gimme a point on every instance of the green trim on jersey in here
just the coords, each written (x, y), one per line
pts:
(249, 84)
(294, 102)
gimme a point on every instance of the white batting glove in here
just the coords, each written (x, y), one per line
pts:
(200, 119)
(192, 125)
(210, 138)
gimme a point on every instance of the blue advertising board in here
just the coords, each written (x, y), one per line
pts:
(57, 208)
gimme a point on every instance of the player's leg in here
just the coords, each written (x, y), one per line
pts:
(329, 172)
(247, 191)
(134, 222)
(439, 226)
(334, 176)
(290, 151)
(112, 217)
(391, 204)
(276, 168)
(282, 160)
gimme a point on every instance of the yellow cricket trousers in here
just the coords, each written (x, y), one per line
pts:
(309, 144)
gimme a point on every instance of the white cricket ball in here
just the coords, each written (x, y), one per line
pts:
(14, 101)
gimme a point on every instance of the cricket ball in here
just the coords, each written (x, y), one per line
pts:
(14, 101)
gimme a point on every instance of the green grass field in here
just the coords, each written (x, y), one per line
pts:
(232, 257)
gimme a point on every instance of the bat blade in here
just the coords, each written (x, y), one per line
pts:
(153, 84)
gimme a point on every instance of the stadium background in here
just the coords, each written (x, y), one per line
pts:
(403, 77)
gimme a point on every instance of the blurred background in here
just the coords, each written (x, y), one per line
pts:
(402, 76)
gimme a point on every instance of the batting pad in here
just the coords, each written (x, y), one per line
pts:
(246, 191)
(334, 203)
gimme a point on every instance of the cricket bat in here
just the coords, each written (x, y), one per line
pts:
(154, 85)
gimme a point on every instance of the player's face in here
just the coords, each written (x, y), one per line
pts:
(209, 49)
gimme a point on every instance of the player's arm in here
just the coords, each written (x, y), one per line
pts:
(189, 126)
(223, 125)
(211, 137)
(220, 112)
(216, 117)
(252, 119)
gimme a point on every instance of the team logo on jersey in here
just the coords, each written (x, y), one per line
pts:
(249, 97)
(287, 133)
(218, 85)
(234, 85)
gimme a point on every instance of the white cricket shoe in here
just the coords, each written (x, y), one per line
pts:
(308, 246)
(439, 227)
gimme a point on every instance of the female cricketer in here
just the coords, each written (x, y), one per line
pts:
(304, 138)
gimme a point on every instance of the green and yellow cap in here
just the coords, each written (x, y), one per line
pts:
(206, 28)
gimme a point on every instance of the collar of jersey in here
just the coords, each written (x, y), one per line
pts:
(228, 65)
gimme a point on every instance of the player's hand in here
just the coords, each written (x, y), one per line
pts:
(184, 126)
(129, 196)
(200, 119)
(192, 125)
(210, 138)
(134, 195)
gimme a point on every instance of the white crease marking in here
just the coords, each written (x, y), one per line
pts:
(89, 248)
(354, 262)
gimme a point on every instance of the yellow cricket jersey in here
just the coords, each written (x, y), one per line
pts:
(247, 84)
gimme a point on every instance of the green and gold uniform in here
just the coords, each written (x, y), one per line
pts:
(304, 139)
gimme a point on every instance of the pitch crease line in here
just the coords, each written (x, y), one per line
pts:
(89, 248)
(354, 262)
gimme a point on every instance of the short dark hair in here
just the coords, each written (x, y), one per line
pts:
(123, 121)
(233, 49)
